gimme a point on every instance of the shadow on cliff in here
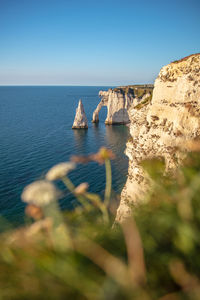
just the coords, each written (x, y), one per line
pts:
(120, 117)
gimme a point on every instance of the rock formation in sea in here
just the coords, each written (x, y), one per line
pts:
(80, 121)
(158, 126)
(118, 102)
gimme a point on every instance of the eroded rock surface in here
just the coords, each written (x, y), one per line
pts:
(172, 118)
(80, 121)
(119, 101)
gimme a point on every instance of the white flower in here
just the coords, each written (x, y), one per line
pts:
(40, 193)
(81, 188)
(60, 170)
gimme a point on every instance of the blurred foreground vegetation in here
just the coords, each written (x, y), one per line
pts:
(82, 255)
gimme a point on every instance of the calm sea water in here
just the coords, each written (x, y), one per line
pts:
(35, 134)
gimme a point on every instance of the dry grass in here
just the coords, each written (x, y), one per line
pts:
(184, 58)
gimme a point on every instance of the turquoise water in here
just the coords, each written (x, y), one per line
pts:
(36, 134)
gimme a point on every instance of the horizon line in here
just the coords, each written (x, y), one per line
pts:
(106, 85)
(52, 85)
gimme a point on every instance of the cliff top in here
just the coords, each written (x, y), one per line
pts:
(140, 86)
(189, 65)
(137, 90)
(184, 58)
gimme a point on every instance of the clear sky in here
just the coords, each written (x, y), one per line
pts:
(89, 42)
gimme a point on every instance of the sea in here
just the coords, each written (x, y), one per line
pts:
(36, 134)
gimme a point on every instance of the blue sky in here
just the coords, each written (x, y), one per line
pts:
(101, 42)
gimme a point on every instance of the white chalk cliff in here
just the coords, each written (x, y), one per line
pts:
(80, 121)
(171, 118)
(119, 101)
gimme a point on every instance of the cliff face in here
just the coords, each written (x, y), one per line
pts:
(170, 119)
(119, 101)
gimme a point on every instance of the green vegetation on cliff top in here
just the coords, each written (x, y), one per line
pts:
(135, 90)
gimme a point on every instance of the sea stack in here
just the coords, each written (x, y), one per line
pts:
(80, 121)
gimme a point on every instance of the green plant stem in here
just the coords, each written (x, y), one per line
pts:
(68, 184)
(108, 182)
(96, 201)
(59, 233)
(71, 187)
(52, 211)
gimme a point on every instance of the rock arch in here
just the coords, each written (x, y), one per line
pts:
(119, 101)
